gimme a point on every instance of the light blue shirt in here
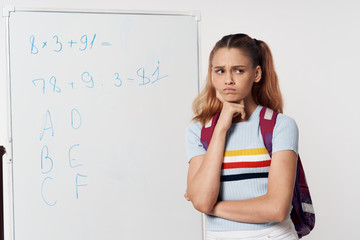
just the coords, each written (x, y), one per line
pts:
(246, 162)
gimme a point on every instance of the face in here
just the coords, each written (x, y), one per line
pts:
(233, 74)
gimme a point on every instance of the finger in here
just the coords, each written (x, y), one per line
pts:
(243, 114)
(242, 109)
(186, 197)
(242, 102)
(239, 109)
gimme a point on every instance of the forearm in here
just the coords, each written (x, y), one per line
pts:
(275, 205)
(256, 210)
(203, 186)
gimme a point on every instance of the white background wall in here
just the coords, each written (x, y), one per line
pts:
(316, 51)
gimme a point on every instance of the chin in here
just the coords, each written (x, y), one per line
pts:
(232, 99)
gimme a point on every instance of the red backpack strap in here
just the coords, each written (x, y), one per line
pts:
(207, 131)
(302, 214)
(267, 124)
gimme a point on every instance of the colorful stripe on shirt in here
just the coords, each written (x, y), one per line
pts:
(247, 158)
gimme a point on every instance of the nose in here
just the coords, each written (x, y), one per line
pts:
(228, 79)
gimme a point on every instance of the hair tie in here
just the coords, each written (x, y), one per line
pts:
(256, 41)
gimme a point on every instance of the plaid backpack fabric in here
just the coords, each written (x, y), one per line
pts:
(302, 213)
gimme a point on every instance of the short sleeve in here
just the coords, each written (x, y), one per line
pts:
(194, 146)
(285, 135)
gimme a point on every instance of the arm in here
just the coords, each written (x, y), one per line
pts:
(203, 181)
(275, 205)
(204, 173)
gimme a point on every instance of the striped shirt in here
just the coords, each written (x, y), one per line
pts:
(246, 162)
(242, 161)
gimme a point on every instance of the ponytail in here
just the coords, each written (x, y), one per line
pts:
(267, 91)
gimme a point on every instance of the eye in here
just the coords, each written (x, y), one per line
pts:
(239, 71)
(219, 71)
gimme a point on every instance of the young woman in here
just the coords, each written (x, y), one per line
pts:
(241, 80)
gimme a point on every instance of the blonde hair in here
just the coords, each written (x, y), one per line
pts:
(266, 92)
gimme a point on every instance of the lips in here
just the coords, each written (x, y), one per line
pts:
(228, 89)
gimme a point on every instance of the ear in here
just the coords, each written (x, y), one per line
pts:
(258, 74)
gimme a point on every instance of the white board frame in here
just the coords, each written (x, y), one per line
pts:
(9, 230)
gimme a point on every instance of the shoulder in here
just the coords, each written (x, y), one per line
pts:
(194, 146)
(285, 121)
(194, 128)
(282, 121)
(286, 134)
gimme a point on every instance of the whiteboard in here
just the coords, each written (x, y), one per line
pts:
(99, 106)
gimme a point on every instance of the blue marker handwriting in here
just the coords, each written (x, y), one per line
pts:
(47, 161)
(146, 79)
(57, 43)
(88, 80)
(79, 185)
(45, 156)
(51, 204)
(47, 125)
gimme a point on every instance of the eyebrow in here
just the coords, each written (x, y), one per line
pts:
(236, 66)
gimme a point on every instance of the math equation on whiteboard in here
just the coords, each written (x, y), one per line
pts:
(141, 78)
(56, 44)
(56, 84)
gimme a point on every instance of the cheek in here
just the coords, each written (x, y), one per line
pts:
(247, 81)
(248, 85)
(215, 82)
(245, 86)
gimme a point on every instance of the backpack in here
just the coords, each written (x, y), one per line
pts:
(302, 213)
